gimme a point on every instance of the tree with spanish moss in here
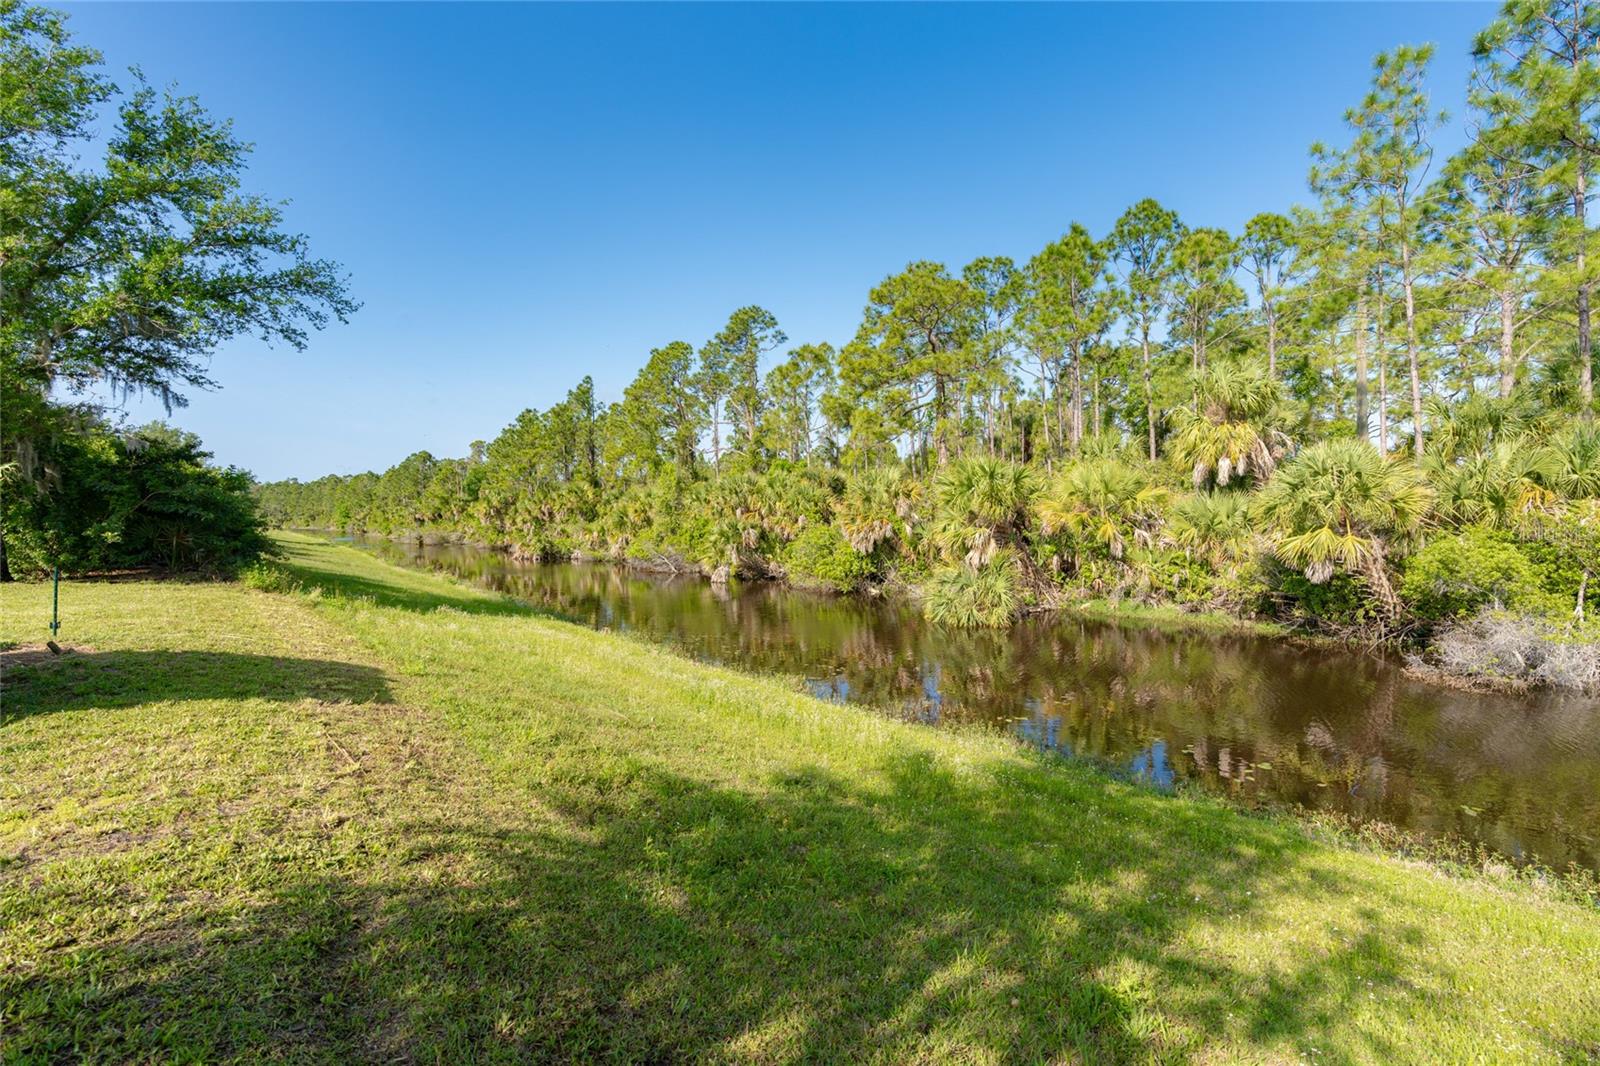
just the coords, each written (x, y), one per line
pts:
(129, 254)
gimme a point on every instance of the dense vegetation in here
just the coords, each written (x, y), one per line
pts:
(125, 276)
(146, 497)
(1373, 413)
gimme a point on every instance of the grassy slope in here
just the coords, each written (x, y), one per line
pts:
(402, 818)
(1168, 617)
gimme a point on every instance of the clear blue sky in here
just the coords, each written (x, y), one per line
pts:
(524, 194)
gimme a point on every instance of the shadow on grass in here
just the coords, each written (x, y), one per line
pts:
(991, 915)
(104, 680)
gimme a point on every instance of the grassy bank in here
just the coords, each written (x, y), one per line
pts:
(390, 816)
(1176, 619)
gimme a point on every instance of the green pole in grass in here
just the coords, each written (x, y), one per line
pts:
(55, 608)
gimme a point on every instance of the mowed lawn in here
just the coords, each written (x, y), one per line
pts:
(392, 818)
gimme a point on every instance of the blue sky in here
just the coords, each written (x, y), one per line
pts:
(525, 194)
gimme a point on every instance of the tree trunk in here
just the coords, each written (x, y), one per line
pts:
(1077, 400)
(1057, 410)
(1376, 574)
(1411, 350)
(5, 563)
(1099, 377)
(1363, 428)
(1508, 354)
(1272, 339)
(1044, 406)
(1383, 402)
(1382, 356)
(1585, 335)
(1149, 391)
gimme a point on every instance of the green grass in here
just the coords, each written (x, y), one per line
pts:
(392, 817)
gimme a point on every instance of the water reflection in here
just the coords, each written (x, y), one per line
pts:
(1252, 718)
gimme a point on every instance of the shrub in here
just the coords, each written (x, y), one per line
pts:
(1559, 571)
(963, 596)
(1342, 600)
(1564, 546)
(1179, 576)
(1454, 576)
(146, 498)
(820, 556)
(266, 577)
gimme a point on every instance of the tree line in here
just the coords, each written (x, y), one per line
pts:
(1271, 420)
(1406, 287)
(1294, 419)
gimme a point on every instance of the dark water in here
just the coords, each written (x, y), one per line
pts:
(1250, 717)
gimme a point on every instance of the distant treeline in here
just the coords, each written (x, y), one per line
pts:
(1373, 413)
(1279, 421)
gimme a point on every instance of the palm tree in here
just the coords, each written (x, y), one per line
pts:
(1477, 423)
(982, 506)
(963, 596)
(878, 506)
(753, 513)
(1490, 466)
(1104, 502)
(1217, 525)
(1570, 462)
(1340, 504)
(1230, 431)
(1497, 485)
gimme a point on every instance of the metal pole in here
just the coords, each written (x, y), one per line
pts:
(55, 602)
